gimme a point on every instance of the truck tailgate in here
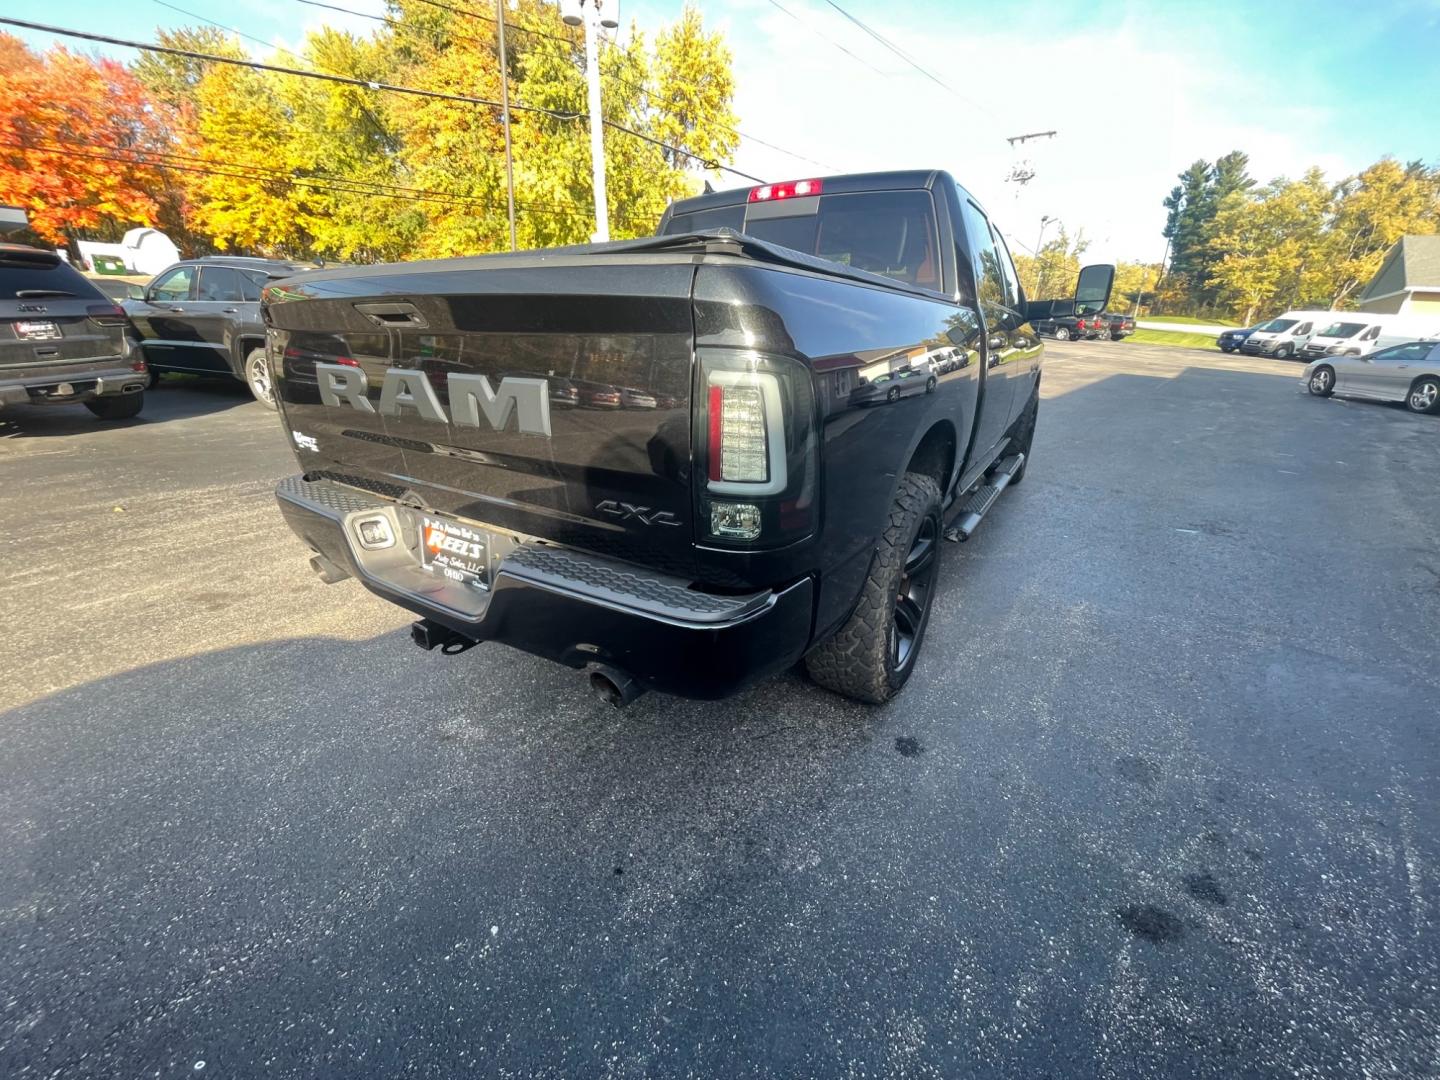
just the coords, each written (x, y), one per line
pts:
(586, 370)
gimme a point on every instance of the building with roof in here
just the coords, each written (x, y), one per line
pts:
(1408, 281)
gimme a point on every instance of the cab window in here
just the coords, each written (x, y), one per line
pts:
(1303, 328)
(722, 217)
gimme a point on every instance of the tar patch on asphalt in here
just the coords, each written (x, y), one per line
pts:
(1138, 770)
(1205, 887)
(908, 747)
(1153, 924)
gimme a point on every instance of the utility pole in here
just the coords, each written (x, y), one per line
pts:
(588, 12)
(505, 113)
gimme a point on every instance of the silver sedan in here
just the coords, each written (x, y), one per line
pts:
(1408, 373)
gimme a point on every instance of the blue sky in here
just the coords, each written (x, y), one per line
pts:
(1136, 90)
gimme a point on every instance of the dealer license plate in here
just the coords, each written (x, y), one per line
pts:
(456, 551)
(37, 330)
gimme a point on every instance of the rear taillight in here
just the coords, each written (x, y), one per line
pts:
(747, 433)
(794, 189)
(755, 448)
(1079, 324)
(106, 314)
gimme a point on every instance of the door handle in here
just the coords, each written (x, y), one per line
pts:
(229, 310)
(178, 310)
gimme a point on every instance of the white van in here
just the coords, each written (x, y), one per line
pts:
(1286, 335)
(1356, 333)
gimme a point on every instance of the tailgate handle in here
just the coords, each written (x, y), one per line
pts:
(392, 315)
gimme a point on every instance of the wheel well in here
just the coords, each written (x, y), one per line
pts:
(1418, 380)
(935, 456)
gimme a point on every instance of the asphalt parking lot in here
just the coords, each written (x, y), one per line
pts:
(1161, 800)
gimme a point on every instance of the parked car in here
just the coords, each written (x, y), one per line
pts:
(1358, 333)
(62, 341)
(203, 316)
(703, 548)
(1408, 373)
(1285, 336)
(1121, 327)
(892, 386)
(1231, 340)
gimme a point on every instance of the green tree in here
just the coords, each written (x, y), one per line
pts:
(1267, 246)
(1373, 210)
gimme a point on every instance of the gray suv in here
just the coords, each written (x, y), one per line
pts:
(203, 316)
(62, 341)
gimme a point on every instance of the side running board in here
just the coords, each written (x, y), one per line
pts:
(968, 517)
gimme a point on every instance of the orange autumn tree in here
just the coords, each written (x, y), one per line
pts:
(72, 128)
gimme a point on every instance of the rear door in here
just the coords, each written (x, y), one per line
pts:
(218, 301)
(1023, 348)
(994, 418)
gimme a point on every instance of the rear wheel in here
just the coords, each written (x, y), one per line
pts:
(118, 406)
(1062, 334)
(871, 657)
(1424, 396)
(257, 377)
(1322, 381)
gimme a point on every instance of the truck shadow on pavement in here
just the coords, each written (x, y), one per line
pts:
(1154, 804)
(174, 399)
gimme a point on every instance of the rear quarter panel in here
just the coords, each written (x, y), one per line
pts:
(837, 328)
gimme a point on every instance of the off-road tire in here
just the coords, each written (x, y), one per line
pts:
(1322, 386)
(117, 406)
(859, 660)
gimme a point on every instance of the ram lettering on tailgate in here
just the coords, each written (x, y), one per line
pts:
(471, 396)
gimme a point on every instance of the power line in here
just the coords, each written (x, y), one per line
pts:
(351, 185)
(675, 103)
(383, 19)
(883, 40)
(483, 18)
(832, 41)
(212, 22)
(348, 81)
(256, 65)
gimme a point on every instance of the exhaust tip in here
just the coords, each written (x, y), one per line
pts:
(613, 687)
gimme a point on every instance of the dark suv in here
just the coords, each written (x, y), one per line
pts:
(203, 316)
(62, 341)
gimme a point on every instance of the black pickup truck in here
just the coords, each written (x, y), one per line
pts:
(742, 501)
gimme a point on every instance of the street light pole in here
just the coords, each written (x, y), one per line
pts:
(589, 12)
(1045, 219)
(505, 113)
(597, 122)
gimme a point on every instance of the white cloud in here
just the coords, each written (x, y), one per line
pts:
(1132, 106)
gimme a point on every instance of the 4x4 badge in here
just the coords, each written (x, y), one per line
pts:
(643, 514)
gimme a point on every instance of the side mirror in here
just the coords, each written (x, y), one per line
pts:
(134, 292)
